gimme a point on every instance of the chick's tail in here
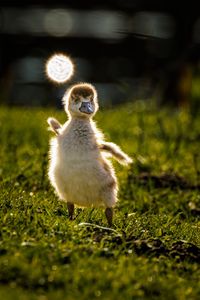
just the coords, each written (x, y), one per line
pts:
(116, 152)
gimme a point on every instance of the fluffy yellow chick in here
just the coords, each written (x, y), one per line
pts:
(79, 168)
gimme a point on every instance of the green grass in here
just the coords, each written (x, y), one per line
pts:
(153, 251)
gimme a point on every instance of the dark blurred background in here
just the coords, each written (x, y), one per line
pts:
(130, 50)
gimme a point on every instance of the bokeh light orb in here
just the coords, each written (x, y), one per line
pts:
(59, 68)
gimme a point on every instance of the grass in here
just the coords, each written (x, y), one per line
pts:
(153, 251)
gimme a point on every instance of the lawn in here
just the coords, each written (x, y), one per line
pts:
(153, 249)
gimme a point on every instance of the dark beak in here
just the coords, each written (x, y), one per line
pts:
(86, 107)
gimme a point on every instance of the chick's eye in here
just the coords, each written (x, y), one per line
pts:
(90, 99)
(76, 100)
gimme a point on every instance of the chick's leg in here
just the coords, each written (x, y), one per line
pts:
(109, 215)
(70, 207)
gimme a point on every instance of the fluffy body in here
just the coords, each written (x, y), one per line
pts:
(79, 169)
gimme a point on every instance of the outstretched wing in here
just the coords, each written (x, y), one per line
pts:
(116, 152)
(55, 126)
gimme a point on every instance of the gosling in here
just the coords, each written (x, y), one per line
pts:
(79, 168)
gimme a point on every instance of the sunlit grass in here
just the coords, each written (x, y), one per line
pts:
(43, 255)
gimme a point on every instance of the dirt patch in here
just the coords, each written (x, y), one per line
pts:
(164, 180)
(152, 247)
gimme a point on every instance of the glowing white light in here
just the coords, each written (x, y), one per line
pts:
(59, 68)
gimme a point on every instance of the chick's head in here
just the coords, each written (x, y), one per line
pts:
(81, 101)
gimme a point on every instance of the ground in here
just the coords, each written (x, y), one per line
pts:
(153, 249)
